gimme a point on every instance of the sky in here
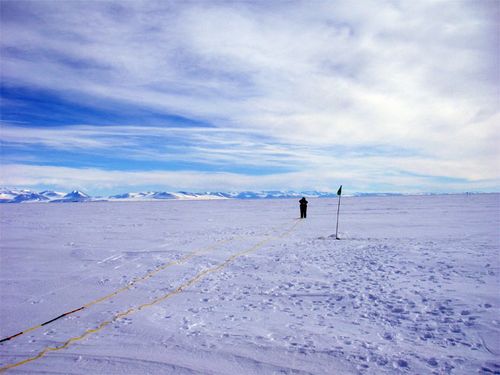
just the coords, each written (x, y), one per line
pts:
(380, 96)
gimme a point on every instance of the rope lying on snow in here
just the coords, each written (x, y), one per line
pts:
(126, 287)
(132, 310)
(41, 325)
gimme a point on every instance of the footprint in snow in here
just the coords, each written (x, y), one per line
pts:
(401, 363)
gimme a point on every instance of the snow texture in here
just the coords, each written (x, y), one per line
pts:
(411, 287)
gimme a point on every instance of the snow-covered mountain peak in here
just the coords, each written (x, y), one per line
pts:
(52, 194)
(77, 194)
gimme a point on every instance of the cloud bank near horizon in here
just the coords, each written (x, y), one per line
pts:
(269, 95)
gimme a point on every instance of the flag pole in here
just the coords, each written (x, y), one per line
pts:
(339, 193)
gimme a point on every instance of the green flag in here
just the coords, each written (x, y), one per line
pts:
(339, 192)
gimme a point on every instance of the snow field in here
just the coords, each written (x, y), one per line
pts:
(411, 288)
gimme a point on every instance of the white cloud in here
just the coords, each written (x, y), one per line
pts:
(417, 76)
(322, 177)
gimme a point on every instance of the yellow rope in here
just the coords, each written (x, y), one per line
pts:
(143, 278)
(132, 310)
(158, 269)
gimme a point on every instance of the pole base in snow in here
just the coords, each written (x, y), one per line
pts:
(337, 238)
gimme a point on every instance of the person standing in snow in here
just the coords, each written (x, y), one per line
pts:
(303, 208)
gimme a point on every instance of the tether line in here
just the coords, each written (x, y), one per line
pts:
(126, 287)
(174, 292)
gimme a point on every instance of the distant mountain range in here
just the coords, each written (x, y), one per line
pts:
(28, 196)
(20, 196)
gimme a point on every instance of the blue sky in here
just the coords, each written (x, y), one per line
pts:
(109, 97)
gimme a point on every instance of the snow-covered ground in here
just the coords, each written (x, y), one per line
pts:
(244, 287)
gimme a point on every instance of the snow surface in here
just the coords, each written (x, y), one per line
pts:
(412, 287)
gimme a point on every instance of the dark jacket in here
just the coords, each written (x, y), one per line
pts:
(303, 202)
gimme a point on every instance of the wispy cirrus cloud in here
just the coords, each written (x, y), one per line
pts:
(254, 163)
(284, 87)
